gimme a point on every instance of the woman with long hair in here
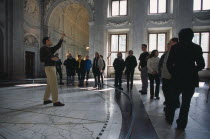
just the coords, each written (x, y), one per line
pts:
(152, 65)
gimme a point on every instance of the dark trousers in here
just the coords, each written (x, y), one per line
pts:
(167, 92)
(87, 74)
(187, 93)
(144, 79)
(70, 79)
(154, 79)
(118, 79)
(130, 74)
(102, 77)
(59, 72)
(96, 75)
(166, 87)
(81, 77)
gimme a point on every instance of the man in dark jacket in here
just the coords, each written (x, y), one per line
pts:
(102, 76)
(130, 64)
(80, 70)
(165, 75)
(143, 69)
(59, 69)
(184, 61)
(70, 64)
(47, 56)
(119, 65)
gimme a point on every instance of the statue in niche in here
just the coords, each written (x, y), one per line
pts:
(91, 2)
(48, 4)
(31, 13)
(30, 40)
(31, 7)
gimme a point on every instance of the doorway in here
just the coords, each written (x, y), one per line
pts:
(29, 64)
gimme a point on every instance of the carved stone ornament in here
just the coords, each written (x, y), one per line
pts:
(160, 22)
(205, 21)
(49, 3)
(31, 13)
(118, 24)
(31, 41)
(91, 2)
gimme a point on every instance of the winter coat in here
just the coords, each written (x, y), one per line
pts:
(119, 65)
(70, 64)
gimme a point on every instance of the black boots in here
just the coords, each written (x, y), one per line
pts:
(47, 102)
(54, 104)
(58, 104)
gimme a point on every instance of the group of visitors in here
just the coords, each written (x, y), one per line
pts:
(177, 68)
(82, 68)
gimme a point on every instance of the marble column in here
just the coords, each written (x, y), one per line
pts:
(138, 31)
(18, 53)
(91, 39)
(183, 12)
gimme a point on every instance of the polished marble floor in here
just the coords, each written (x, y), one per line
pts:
(87, 114)
(95, 114)
(198, 121)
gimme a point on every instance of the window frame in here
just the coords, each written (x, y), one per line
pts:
(201, 8)
(206, 52)
(109, 48)
(158, 7)
(157, 41)
(119, 8)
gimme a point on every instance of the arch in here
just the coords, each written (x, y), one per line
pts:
(73, 18)
(33, 38)
(56, 3)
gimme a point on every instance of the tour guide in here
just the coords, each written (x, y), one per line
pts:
(47, 56)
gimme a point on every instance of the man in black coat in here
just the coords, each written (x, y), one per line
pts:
(184, 61)
(70, 64)
(104, 67)
(165, 75)
(130, 64)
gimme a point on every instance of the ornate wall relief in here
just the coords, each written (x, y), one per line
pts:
(118, 24)
(160, 19)
(31, 13)
(160, 22)
(31, 41)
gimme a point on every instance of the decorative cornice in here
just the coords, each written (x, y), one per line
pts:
(160, 22)
(118, 24)
(201, 20)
